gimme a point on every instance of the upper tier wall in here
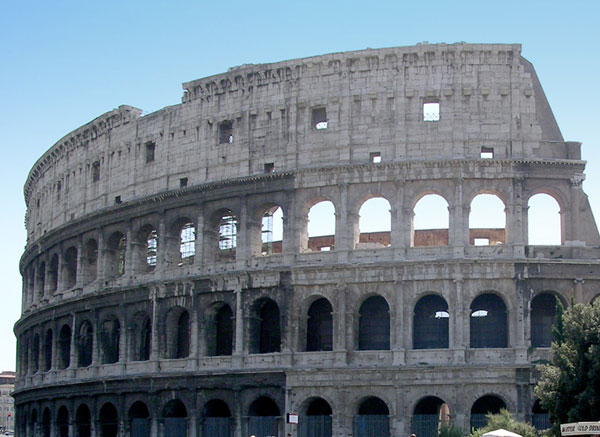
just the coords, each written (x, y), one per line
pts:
(259, 118)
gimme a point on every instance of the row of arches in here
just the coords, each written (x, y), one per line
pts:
(103, 342)
(154, 244)
(263, 418)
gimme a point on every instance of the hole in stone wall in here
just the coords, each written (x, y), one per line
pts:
(319, 118)
(544, 220)
(431, 111)
(226, 132)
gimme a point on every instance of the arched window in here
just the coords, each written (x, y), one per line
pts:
(53, 273)
(372, 418)
(317, 419)
(183, 336)
(35, 354)
(319, 326)
(109, 421)
(48, 350)
(217, 419)
(175, 419)
(46, 423)
(115, 264)
(487, 221)
(70, 267)
(110, 334)
(489, 327)
(430, 222)
(430, 323)
(139, 419)
(62, 422)
(544, 220)
(24, 355)
(263, 417)
(272, 231)
(228, 226)
(428, 415)
(220, 331)
(543, 312)
(540, 417)
(482, 406)
(374, 324)
(375, 223)
(85, 344)
(266, 333)
(33, 423)
(187, 244)
(41, 280)
(91, 260)
(83, 420)
(141, 339)
(151, 248)
(64, 347)
(321, 227)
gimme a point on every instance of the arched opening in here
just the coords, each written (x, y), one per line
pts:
(62, 422)
(108, 421)
(46, 423)
(543, 220)
(216, 419)
(319, 326)
(540, 418)
(489, 326)
(374, 324)
(175, 419)
(64, 347)
(220, 331)
(115, 255)
(90, 260)
(41, 283)
(35, 354)
(321, 227)
(141, 338)
(374, 223)
(70, 268)
(178, 333)
(187, 244)
(139, 420)
(265, 328)
(317, 420)
(83, 420)
(430, 221)
(430, 323)
(48, 338)
(228, 227)
(147, 247)
(543, 312)
(372, 418)
(53, 273)
(487, 221)
(263, 416)
(33, 423)
(110, 333)
(482, 406)
(85, 344)
(430, 413)
(272, 231)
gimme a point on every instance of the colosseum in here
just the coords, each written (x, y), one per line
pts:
(257, 260)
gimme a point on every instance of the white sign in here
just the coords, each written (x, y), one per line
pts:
(292, 418)
(579, 428)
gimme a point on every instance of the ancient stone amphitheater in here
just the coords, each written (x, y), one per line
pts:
(256, 251)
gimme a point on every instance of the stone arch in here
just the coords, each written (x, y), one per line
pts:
(487, 219)
(430, 220)
(90, 260)
(271, 229)
(540, 418)
(64, 347)
(542, 316)
(545, 220)
(41, 280)
(182, 241)
(319, 326)
(216, 418)
(62, 422)
(139, 419)
(372, 418)
(429, 413)
(175, 419)
(109, 335)
(35, 353)
(33, 423)
(108, 420)
(374, 223)
(219, 329)
(431, 323)
(70, 267)
(146, 248)
(85, 344)
(263, 417)
(53, 273)
(177, 333)
(316, 418)
(265, 327)
(46, 423)
(488, 322)
(83, 421)
(48, 340)
(115, 255)
(141, 336)
(320, 225)
(374, 324)
(485, 404)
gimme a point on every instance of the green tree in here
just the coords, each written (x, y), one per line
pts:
(569, 388)
(503, 420)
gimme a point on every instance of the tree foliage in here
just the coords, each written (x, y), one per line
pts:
(503, 420)
(569, 388)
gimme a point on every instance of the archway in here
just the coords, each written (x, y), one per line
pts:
(263, 417)
(482, 406)
(430, 323)
(216, 419)
(428, 415)
(374, 324)
(372, 418)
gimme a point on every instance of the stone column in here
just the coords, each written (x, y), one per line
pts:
(339, 326)
(400, 342)
(80, 272)
(238, 352)
(578, 291)
(74, 336)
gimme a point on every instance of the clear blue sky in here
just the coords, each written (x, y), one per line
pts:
(63, 63)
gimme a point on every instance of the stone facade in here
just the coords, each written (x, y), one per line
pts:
(158, 299)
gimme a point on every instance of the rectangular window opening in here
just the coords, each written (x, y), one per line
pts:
(431, 111)
(183, 182)
(118, 199)
(269, 167)
(226, 132)
(96, 171)
(375, 157)
(481, 241)
(487, 152)
(150, 147)
(319, 118)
